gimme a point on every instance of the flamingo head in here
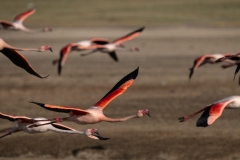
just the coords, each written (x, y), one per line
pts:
(134, 49)
(143, 112)
(121, 45)
(44, 48)
(94, 134)
(47, 29)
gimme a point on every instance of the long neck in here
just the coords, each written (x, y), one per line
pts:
(19, 49)
(118, 119)
(30, 30)
(66, 131)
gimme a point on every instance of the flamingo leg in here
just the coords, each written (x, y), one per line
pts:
(185, 118)
(9, 132)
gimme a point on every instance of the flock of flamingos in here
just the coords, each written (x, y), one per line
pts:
(94, 114)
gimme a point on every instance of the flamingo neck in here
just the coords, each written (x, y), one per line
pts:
(118, 119)
(66, 131)
(19, 49)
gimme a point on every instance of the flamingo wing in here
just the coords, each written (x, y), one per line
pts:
(64, 109)
(63, 127)
(197, 63)
(20, 61)
(118, 89)
(212, 113)
(63, 57)
(129, 36)
(14, 118)
(6, 24)
(22, 16)
(237, 70)
(113, 55)
(101, 41)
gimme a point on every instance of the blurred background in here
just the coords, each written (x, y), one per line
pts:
(176, 33)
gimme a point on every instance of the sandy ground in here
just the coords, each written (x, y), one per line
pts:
(162, 86)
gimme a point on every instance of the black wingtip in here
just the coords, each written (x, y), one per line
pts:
(135, 73)
(141, 29)
(37, 103)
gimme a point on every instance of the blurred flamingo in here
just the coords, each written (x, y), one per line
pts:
(17, 23)
(20, 61)
(76, 46)
(116, 45)
(25, 123)
(204, 59)
(95, 113)
(214, 111)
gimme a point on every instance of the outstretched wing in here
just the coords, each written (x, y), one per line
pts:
(21, 17)
(129, 36)
(20, 61)
(118, 89)
(14, 118)
(100, 41)
(197, 63)
(113, 55)
(63, 57)
(6, 24)
(63, 127)
(64, 109)
(236, 71)
(212, 113)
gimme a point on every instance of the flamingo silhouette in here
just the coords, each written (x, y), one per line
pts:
(17, 23)
(94, 114)
(24, 124)
(213, 111)
(18, 59)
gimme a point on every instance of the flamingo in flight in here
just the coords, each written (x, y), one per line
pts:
(25, 123)
(234, 57)
(213, 111)
(20, 61)
(76, 46)
(116, 45)
(211, 59)
(94, 114)
(17, 23)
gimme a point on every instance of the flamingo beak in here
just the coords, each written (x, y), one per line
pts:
(149, 114)
(51, 49)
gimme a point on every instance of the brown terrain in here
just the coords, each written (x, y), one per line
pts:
(162, 86)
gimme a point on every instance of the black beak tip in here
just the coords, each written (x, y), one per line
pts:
(50, 49)
(149, 114)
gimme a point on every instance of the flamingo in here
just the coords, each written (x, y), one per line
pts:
(76, 46)
(24, 124)
(199, 61)
(213, 111)
(116, 45)
(17, 23)
(20, 61)
(94, 114)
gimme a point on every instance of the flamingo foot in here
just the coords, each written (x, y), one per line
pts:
(183, 119)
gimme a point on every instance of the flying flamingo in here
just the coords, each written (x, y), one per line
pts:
(17, 23)
(200, 61)
(25, 123)
(94, 114)
(76, 46)
(213, 111)
(20, 61)
(116, 45)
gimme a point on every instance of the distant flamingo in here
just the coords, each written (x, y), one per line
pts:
(25, 123)
(213, 111)
(77, 46)
(198, 62)
(17, 23)
(95, 113)
(116, 45)
(18, 59)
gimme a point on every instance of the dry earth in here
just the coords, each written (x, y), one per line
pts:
(162, 86)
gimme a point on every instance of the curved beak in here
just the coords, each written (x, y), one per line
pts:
(51, 49)
(97, 136)
(149, 114)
